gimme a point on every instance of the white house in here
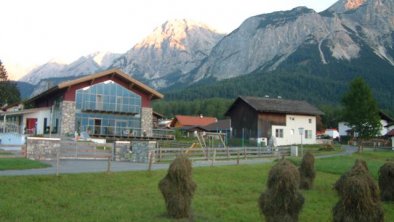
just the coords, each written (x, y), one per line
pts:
(333, 133)
(385, 121)
(288, 121)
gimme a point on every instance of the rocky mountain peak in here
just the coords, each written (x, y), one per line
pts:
(354, 4)
(172, 49)
(173, 32)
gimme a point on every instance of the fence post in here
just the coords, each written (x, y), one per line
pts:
(228, 153)
(237, 157)
(245, 153)
(151, 155)
(109, 165)
(57, 161)
(213, 156)
(159, 153)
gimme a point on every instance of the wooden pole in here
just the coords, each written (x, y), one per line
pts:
(237, 157)
(57, 161)
(109, 165)
(151, 154)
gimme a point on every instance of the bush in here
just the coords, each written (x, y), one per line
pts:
(327, 147)
(282, 201)
(178, 188)
(359, 196)
(307, 171)
(386, 181)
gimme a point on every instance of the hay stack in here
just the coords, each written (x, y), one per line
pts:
(178, 188)
(359, 196)
(359, 167)
(307, 171)
(386, 181)
(358, 203)
(282, 202)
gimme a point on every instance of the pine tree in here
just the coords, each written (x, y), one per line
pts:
(9, 92)
(361, 110)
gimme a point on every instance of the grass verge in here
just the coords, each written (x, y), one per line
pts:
(20, 164)
(226, 193)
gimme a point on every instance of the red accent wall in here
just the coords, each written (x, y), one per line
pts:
(68, 94)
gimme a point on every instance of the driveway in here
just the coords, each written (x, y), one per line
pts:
(95, 166)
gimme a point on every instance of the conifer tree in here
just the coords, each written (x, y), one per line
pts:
(9, 92)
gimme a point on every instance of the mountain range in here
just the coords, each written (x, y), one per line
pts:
(266, 52)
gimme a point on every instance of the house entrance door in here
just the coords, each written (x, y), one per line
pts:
(97, 126)
(31, 124)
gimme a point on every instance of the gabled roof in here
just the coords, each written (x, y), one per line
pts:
(223, 124)
(284, 106)
(193, 120)
(112, 72)
(386, 117)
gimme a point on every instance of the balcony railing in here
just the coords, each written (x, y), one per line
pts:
(127, 132)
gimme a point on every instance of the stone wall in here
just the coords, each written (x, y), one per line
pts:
(122, 151)
(147, 121)
(67, 117)
(141, 150)
(39, 148)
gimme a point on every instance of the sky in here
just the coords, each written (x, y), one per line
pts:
(35, 32)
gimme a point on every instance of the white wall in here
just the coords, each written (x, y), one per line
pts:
(291, 133)
(342, 128)
(383, 130)
(39, 115)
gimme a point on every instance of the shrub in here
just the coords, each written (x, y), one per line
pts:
(327, 147)
(386, 181)
(282, 200)
(178, 188)
(359, 196)
(307, 171)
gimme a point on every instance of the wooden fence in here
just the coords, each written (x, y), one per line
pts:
(227, 153)
(88, 150)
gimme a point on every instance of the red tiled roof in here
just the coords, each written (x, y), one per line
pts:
(193, 120)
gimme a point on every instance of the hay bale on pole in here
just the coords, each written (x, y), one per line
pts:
(386, 181)
(359, 196)
(307, 171)
(359, 167)
(282, 201)
(358, 202)
(177, 188)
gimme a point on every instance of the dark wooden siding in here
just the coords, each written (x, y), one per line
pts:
(243, 120)
(266, 120)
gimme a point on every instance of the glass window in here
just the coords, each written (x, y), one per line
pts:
(308, 134)
(279, 133)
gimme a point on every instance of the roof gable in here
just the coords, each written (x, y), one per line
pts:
(91, 78)
(284, 106)
(193, 120)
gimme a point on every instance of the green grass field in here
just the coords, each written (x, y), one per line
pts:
(226, 193)
(20, 164)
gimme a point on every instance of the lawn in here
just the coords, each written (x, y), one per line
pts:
(226, 193)
(20, 164)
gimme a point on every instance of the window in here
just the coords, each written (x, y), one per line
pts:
(279, 133)
(310, 120)
(291, 118)
(308, 134)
